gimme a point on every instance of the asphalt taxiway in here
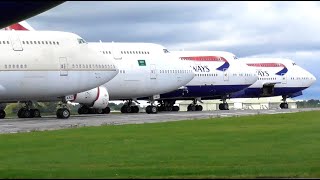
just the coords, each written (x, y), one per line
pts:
(15, 125)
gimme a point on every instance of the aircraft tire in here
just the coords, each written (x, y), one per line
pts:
(2, 114)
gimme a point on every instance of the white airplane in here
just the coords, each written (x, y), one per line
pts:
(217, 76)
(147, 69)
(277, 77)
(41, 64)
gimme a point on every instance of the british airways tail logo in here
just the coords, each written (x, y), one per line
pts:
(282, 72)
(223, 67)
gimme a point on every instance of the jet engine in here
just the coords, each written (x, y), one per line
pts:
(96, 98)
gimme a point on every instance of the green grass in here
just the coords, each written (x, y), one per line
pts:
(281, 145)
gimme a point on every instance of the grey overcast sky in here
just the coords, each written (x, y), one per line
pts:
(274, 29)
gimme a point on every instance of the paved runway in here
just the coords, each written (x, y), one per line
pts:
(14, 125)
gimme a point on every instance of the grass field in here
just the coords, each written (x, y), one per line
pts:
(281, 145)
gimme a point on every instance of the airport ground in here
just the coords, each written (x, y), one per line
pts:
(14, 125)
(247, 146)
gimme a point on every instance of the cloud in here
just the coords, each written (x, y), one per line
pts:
(243, 28)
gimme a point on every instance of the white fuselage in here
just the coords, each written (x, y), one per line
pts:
(145, 69)
(285, 75)
(217, 74)
(42, 65)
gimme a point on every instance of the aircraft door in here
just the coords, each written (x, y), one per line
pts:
(153, 71)
(63, 66)
(225, 74)
(115, 51)
(284, 78)
(15, 41)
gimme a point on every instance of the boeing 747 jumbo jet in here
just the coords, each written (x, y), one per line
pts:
(277, 77)
(147, 69)
(40, 64)
(217, 76)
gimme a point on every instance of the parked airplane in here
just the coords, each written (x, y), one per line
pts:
(15, 11)
(41, 64)
(217, 76)
(147, 69)
(277, 77)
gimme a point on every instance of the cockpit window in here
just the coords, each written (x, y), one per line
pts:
(294, 64)
(81, 41)
(235, 57)
(166, 51)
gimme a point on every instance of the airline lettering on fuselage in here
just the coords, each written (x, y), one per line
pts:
(263, 73)
(201, 68)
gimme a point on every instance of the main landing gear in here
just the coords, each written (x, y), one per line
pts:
(89, 110)
(224, 105)
(63, 111)
(194, 106)
(284, 105)
(27, 111)
(2, 112)
(167, 105)
(129, 108)
(152, 109)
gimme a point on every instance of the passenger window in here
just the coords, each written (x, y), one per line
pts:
(8, 42)
(30, 42)
(5, 66)
(109, 52)
(22, 42)
(42, 42)
(27, 42)
(35, 42)
(54, 43)
(49, 42)
(58, 43)
(46, 42)
(39, 42)
(4, 42)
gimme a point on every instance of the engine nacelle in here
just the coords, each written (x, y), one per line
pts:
(96, 98)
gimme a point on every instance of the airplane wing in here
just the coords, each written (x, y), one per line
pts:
(14, 11)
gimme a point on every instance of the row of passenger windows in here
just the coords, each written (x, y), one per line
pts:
(234, 74)
(15, 66)
(299, 78)
(20, 66)
(107, 66)
(206, 74)
(33, 42)
(175, 71)
(267, 78)
(4, 42)
(128, 52)
(41, 42)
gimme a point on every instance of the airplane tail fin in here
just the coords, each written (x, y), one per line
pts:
(20, 26)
